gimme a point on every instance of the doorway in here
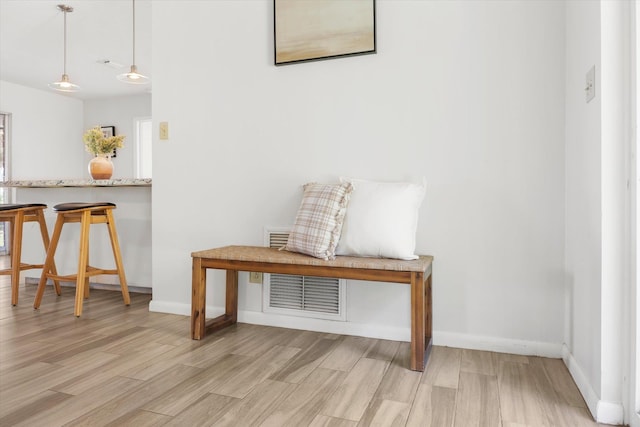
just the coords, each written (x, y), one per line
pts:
(4, 167)
(143, 152)
(634, 342)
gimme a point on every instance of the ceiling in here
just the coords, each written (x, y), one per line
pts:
(31, 44)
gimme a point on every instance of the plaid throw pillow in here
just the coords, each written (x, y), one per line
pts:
(319, 220)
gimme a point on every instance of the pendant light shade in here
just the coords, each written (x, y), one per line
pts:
(133, 77)
(64, 85)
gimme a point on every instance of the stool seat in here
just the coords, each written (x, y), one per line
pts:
(86, 214)
(74, 206)
(12, 207)
(16, 214)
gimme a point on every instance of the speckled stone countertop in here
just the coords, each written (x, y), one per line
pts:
(58, 183)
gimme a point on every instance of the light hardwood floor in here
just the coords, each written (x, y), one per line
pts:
(122, 366)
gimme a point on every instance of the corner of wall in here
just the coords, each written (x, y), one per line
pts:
(500, 345)
(602, 411)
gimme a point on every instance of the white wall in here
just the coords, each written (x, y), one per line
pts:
(121, 113)
(583, 190)
(46, 125)
(615, 220)
(468, 94)
(597, 221)
(46, 133)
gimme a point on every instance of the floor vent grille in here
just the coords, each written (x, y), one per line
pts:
(307, 296)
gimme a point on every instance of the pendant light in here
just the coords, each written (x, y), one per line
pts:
(133, 76)
(64, 85)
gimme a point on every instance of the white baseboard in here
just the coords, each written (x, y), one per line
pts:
(475, 342)
(610, 413)
(178, 308)
(500, 345)
(292, 322)
(327, 326)
(93, 285)
(588, 393)
(602, 411)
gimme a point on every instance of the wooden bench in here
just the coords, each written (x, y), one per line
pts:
(268, 260)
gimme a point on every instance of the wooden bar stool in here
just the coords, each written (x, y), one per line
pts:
(16, 215)
(85, 214)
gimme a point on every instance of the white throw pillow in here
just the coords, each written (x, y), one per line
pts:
(319, 220)
(381, 220)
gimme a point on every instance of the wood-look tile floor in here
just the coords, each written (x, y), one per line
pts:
(125, 366)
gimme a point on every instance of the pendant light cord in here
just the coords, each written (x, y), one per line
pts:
(133, 76)
(134, 32)
(64, 65)
(64, 85)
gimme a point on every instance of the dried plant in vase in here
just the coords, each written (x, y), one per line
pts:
(95, 142)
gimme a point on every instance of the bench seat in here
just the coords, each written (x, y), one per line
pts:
(416, 273)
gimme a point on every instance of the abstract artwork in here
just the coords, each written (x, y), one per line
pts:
(307, 30)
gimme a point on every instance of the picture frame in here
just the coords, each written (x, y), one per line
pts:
(322, 29)
(109, 131)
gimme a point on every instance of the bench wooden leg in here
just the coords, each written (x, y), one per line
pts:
(200, 326)
(417, 322)
(420, 320)
(231, 299)
(428, 318)
(198, 299)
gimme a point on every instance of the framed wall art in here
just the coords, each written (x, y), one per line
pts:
(109, 131)
(309, 30)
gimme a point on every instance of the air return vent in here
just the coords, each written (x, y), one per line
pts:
(307, 296)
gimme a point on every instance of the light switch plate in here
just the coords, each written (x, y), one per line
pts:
(590, 88)
(164, 130)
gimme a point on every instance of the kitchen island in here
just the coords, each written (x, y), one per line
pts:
(133, 222)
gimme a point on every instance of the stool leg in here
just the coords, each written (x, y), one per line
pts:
(16, 252)
(48, 263)
(86, 279)
(113, 235)
(82, 262)
(45, 240)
